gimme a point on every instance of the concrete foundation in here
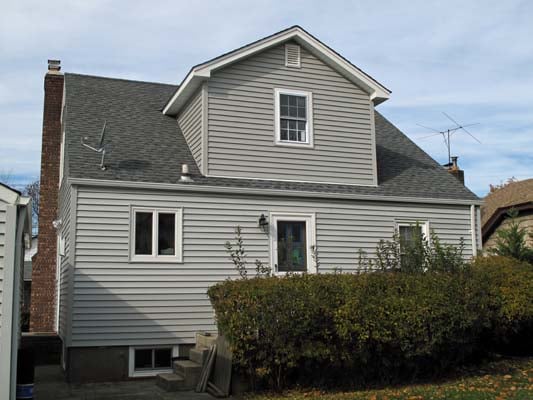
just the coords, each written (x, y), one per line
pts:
(97, 364)
(46, 347)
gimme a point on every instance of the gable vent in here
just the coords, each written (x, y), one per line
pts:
(292, 55)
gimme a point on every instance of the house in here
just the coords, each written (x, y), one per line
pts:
(26, 290)
(145, 182)
(516, 195)
(15, 231)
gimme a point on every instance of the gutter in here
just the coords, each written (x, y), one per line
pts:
(264, 192)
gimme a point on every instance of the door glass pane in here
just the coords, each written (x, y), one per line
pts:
(162, 358)
(143, 233)
(143, 359)
(167, 234)
(292, 246)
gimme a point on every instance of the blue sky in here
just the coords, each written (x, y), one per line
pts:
(470, 59)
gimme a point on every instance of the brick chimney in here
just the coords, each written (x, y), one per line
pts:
(43, 290)
(453, 168)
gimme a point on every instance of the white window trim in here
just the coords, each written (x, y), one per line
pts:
(309, 110)
(310, 220)
(424, 224)
(178, 237)
(153, 372)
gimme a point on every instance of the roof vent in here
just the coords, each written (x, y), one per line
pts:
(292, 55)
(185, 175)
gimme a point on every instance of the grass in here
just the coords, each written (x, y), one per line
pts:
(503, 379)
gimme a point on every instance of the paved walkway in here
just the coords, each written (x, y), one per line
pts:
(50, 385)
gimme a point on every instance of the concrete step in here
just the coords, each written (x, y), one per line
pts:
(189, 370)
(199, 355)
(204, 339)
(171, 382)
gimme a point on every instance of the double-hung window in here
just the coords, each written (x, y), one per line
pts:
(411, 231)
(410, 234)
(156, 235)
(294, 117)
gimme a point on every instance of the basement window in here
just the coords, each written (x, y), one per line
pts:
(156, 235)
(294, 117)
(148, 361)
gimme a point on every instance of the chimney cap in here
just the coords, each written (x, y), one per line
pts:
(54, 66)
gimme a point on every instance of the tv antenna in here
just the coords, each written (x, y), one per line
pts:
(447, 134)
(101, 146)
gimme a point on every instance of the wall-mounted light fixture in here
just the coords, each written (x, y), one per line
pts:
(57, 224)
(263, 223)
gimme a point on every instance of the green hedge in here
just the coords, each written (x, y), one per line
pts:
(510, 284)
(381, 326)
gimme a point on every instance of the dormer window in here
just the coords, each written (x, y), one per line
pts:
(294, 116)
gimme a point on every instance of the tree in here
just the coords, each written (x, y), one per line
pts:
(6, 177)
(511, 241)
(32, 190)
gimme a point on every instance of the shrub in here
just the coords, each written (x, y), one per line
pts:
(398, 326)
(510, 288)
(418, 255)
(511, 241)
(332, 327)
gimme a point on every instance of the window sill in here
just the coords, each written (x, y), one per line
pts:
(155, 260)
(283, 273)
(149, 373)
(294, 144)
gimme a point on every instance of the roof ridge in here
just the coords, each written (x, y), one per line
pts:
(120, 79)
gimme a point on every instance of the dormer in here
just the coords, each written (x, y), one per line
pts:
(286, 107)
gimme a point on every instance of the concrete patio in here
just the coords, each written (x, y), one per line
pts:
(50, 385)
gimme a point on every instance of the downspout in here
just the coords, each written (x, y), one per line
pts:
(473, 229)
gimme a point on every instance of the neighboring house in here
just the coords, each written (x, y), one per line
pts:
(494, 212)
(279, 137)
(15, 231)
(26, 291)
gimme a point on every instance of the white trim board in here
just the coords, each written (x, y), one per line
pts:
(178, 235)
(424, 225)
(147, 373)
(309, 143)
(310, 232)
(200, 73)
(187, 187)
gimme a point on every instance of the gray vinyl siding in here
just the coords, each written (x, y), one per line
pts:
(241, 133)
(121, 303)
(65, 269)
(190, 123)
(2, 253)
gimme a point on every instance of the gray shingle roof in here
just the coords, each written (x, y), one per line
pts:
(144, 145)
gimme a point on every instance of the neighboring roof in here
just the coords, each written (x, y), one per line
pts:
(144, 145)
(201, 72)
(8, 194)
(10, 188)
(518, 195)
(512, 194)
